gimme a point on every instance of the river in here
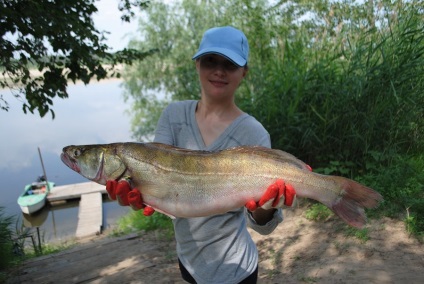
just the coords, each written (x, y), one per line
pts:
(92, 114)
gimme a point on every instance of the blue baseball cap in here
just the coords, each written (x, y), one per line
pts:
(225, 41)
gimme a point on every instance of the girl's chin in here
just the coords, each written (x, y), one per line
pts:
(217, 94)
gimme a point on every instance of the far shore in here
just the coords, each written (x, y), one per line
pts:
(35, 73)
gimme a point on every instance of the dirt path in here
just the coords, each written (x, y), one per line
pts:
(299, 251)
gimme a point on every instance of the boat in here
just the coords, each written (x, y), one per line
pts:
(34, 196)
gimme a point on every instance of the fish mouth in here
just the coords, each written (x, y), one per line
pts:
(71, 163)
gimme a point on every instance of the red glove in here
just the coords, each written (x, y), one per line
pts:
(277, 195)
(121, 190)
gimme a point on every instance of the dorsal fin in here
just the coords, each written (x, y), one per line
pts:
(275, 154)
(251, 150)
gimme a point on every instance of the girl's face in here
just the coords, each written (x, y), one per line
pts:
(219, 77)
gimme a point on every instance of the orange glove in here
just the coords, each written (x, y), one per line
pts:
(277, 195)
(121, 191)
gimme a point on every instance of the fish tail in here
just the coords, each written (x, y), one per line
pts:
(353, 199)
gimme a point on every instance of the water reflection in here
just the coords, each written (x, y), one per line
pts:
(36, 219)
(58, 221)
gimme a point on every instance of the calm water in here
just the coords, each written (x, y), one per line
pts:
(92, 114)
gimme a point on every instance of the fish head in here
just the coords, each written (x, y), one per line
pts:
(98, 163)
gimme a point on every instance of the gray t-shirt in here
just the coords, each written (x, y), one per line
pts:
(215, 249)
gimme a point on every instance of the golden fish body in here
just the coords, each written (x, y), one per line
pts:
(187, 183)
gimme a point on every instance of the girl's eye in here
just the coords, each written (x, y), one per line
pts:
(210, 62)
(229, 66)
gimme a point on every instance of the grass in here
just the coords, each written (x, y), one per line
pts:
(10, 250)
(308, 279)
(361, 234)
(414, 226)
(47, 249)
(135, 221)
(318, 212)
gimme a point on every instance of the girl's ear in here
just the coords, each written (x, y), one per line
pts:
(245, 70)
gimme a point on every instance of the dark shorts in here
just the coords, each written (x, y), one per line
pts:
(251, 279)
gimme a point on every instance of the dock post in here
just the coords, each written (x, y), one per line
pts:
(90, 215)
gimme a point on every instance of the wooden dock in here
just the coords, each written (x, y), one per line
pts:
(74, 191)
(90, 215)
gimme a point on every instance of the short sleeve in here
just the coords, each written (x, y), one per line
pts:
(163, 133)
(269, 227)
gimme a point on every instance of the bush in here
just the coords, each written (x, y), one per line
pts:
(356, 92)
(7, 243)
(400, 180)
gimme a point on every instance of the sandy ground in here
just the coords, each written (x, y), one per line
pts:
(298, 251)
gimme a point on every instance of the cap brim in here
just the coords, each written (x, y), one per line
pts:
(230, 55)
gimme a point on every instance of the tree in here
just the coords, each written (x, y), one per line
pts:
(326, 78)
(57, 38)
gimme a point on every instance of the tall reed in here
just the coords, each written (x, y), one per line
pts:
(345, 97)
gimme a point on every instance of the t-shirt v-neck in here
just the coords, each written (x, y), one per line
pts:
(215, 145)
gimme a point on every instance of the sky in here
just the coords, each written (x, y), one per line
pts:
(108, 18)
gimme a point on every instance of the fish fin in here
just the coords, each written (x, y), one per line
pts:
(354, 198)
(164, 213)
(253, 150)
(170, 148)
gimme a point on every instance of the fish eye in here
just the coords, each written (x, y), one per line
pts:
(77, 152)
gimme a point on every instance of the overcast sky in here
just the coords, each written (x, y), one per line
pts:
(108, 18)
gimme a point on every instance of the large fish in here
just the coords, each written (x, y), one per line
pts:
(187, 183)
